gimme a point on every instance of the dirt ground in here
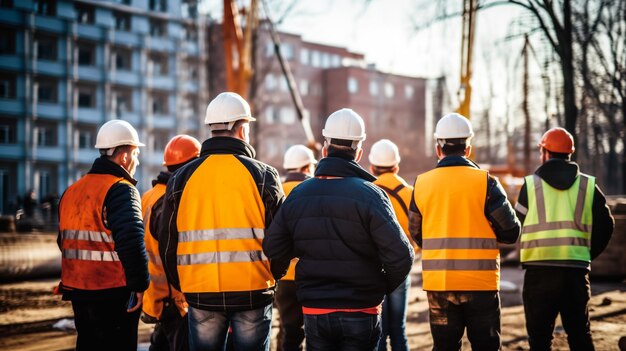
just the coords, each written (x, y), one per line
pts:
(28, 310)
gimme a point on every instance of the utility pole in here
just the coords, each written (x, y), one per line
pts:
(525, 50)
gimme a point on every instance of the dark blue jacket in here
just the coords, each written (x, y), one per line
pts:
(351, 248)
(122, 214)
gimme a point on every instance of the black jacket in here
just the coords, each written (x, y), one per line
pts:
(122, 215)
(270, 190)
(562, 174)
(498, 209)
(351, 248)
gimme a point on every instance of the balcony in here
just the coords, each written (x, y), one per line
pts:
(12, 106)
(154, 159)
(51, 24)
(86, 31)
(52, 68)
(85, 156)
(10, 16)
(125, 78)
(125, 38)
(159, 44)
(161, 82)
(132, 118)
(90, 115)
(49, 153)
(51, 110)
(11, 62)
(190, 48)
(91, 73)
(164, 121)
(12, 151)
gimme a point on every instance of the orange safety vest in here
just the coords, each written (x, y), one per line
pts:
(400, 195)
(291, 272)
(220, 236)
(89, 260)
(459, 247)
(159, 287)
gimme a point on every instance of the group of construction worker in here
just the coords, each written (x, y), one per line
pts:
(219, 240)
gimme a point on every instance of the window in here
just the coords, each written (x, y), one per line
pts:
(287, 51)
(45, 183)
(86, 95)
(47, 90)
(389, 91)
(157, 64)
(325, 60)
(159, 103)
(121, 59)
(353, 85)
(7, 131)
(6, 3)
(304, 87)
(86, 53)
(86, 138)
(315, 58)
(157, 27)
(7, 41)
(45, 47)
(373, 88)
(283, 84)
(45, 7)
(84, 13)
(270, 81)
(269, 115)
(269, 49)
(46, 134)
(122, 21)
(190, 32)
(160, 139)
(189, 9)
(408, 92)
(157, 5)
(7, 85)
(122, 100)
(287, 115)
(304, 56)
(335, 61)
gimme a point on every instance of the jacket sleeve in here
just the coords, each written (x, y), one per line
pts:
(603, 224)
(167, 232)
(500, 214)
(122, 215)
(521, 207)
(415, 223)
(278, 245)
(394, 250)
(273, 195)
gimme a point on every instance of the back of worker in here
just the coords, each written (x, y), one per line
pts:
(300, 165)
(215, 213)
(384, 160)
(458, 215)
(351, 248)
(163, 304)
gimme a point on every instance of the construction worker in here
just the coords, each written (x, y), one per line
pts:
(215, 213)
(350, 246)
(104, 267)
(384, 160)
(163, 304)
(458, 214)
(300, 165)
(566, 224)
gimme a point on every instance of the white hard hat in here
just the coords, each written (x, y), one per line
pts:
(227, 108)
(298, 156)
(345, 124)
(117, 133)
(384, 153)
(453, 126)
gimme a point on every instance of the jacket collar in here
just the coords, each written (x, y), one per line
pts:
(340, 167)
(103, 165)
(451, 161)
(559, 174)
(162, 178)
(226, 146)
(296, 177)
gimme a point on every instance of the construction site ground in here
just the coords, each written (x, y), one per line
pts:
(28, 312)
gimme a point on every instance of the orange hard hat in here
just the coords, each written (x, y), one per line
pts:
(180, 149)
(558, 140)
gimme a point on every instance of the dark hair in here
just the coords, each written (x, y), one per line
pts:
(558, 155)
(118, 150)
(229, 133)
(382, 170)
(339, 150)
(454, 146)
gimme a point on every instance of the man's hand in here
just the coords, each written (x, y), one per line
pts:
(138, 304)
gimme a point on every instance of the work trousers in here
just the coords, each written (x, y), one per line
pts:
(105, 325)
(394, 318)
(172, 335)
(344, 331)
(291, 333)
(549, 291)
(453, 311)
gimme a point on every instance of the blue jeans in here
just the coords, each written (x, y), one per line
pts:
(208, 330)
(394, 318)
(342, 331)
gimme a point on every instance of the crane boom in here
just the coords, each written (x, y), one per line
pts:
(467, 48)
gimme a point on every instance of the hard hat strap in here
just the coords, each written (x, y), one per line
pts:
(353, 144)
(222, 126)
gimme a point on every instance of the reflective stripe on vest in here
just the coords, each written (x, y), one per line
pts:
(558, 224)
(459, 247)
(159, 287)
(221, 222)
(88, 260)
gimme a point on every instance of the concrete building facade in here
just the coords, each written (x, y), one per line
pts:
(66, 67)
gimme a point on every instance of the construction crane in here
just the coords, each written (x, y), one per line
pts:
(467, 49)
(238, 44)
